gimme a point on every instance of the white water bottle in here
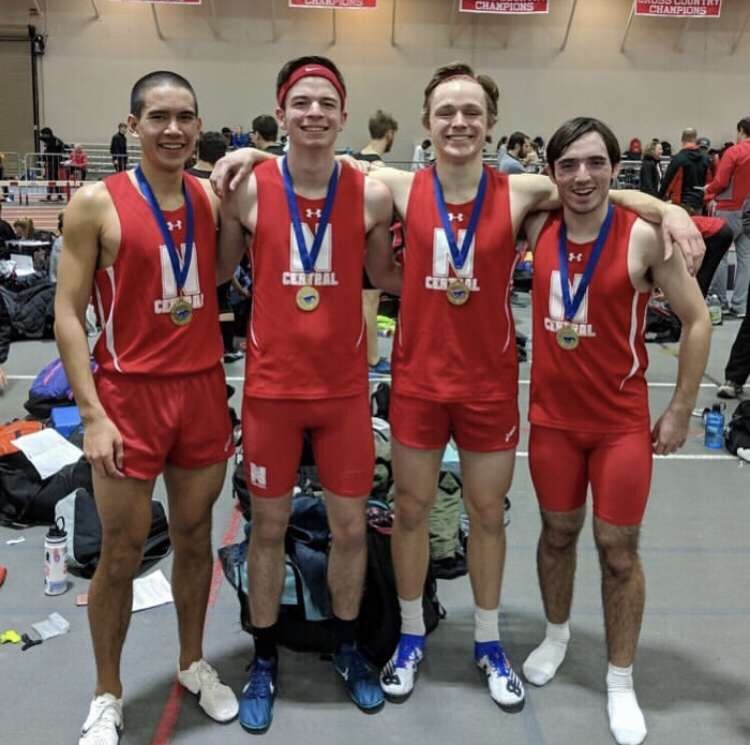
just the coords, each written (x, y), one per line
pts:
(55, 553)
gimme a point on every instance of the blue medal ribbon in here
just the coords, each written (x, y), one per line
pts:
(308, 258)
(459, 254)
(180, 272)
(571, 306)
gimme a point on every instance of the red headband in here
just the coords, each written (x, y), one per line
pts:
(311, 71)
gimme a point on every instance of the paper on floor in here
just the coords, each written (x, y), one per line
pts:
(48, 451)
(150, 591)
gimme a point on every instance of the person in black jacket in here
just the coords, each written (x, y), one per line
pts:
(651, 169)
(4, 340)
(118, 148)
(54, 148)
(686, 176)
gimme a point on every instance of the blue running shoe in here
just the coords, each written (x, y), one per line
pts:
(256, 700)
(505, 686)
(360, 679)
(398, 677)
(381, 367)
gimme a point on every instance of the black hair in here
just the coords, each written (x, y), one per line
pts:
(743, 125)
(266, 126)
(286, 71)
(211, 147)
(576, 128)
(381, 124)
(152, 80)
(516, 139)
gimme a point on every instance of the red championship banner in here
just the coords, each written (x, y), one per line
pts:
(504, 7)
(678, 8)
(334, 4)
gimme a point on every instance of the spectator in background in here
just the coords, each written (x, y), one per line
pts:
(24, 228)
(634, 151)
(518, 154)
(651, 169)
(5, 331)
(265, 131)
(2, 174)
(666, 149)
(686, 175)
(226, 133)
(52, 157)
(118, 148)
(382, 128)
(502, 147)
(539, 147)
(240, 138)
(54, 254)
(78, 163)
(6, 230)
(731, 192)
(422, 155)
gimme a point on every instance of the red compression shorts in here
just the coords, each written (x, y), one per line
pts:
(618, 467)
(342, 441)
(482, 426)
(181, 420)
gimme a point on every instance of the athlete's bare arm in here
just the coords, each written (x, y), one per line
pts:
(238, 213)
(398, 183)
(379, 263)
(646, 260)
(231, 170)
(91, 239)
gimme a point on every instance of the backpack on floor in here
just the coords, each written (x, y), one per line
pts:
(84, 530)
(662, 325)
(737, 432)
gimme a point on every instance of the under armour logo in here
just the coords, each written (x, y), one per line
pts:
(575, 257)
(456, 216)
(313, 213)
(174, 225)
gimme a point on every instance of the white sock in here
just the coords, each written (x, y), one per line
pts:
(541, 665)
(412, 616)
(626, 722)
(486, 625)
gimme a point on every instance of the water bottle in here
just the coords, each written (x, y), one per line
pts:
(55, 553)
(714, 437)
(714, 310)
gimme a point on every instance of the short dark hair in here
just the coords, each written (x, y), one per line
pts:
(576, 128)
(211, 146)
(743, 125)
(152, 80)
(312, 59)
(266, 126)
(46, 132)
(381, 124)
(516, 139)
(461, 69)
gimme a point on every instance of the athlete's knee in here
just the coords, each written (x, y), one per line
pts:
(119, 560)
(620, 562)
(557, 539)
(349, 536)
(269, 528)
(487, 517)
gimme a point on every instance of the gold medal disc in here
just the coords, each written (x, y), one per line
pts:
(567, 338)
(308, 298)
(457, 292)
(181, 312)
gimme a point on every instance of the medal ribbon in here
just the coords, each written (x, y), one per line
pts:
(308, 258)
(571, 306)
(180, 273)
(459, 254)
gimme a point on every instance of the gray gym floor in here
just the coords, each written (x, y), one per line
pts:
(691, 672)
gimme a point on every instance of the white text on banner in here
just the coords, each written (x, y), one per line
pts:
(678, 8)
(504, 7)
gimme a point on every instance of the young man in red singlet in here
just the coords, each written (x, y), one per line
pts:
(145, 242)
(312, 221)
(454, 360)
(595, 266)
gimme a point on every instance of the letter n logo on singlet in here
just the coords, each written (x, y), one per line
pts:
(168, 284)
(324, 262)
(556, 308)
(442, 258)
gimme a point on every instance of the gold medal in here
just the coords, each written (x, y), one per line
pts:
(181, 312)
(308, 298)
(457, 292)
(567, 338)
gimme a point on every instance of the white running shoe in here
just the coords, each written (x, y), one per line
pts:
(398, 676)
(215, 698)
(505, 686)
(103, 725)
